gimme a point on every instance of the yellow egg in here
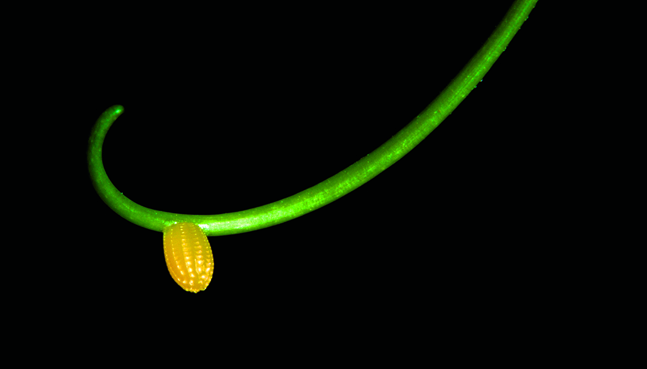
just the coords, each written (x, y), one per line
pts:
(188, 256)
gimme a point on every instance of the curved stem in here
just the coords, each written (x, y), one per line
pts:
(334, 187)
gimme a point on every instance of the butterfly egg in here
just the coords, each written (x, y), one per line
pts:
(188, 256)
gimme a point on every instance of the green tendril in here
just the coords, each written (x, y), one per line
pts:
(334, 187)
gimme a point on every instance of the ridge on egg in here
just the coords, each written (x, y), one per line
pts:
(188, 256)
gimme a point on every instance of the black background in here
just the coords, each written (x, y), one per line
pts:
(234, 114)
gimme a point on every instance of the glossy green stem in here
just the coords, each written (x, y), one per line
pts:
(334, 187)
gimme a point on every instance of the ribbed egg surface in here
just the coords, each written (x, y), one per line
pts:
(188, 256)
